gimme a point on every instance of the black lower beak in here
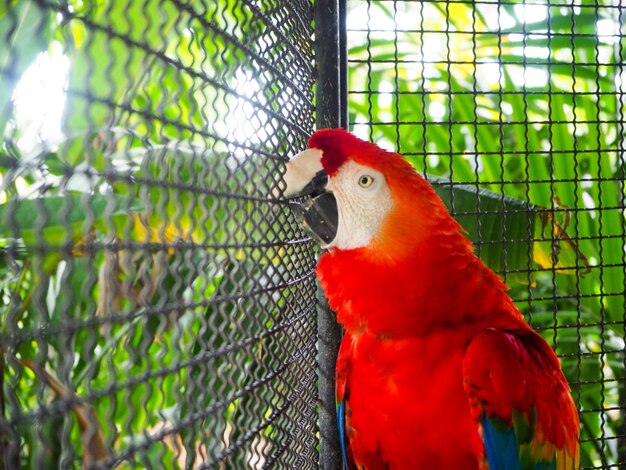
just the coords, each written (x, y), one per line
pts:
(319, 217)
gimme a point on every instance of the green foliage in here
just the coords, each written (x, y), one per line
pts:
(108, 230)
(546, 127)
(132, 270)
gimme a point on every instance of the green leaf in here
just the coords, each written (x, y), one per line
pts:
(108, 67)
(55, 220)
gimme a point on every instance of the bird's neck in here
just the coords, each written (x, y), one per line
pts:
(439, 284)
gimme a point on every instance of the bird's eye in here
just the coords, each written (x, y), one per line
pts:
(365, 181)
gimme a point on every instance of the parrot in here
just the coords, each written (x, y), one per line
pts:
(437, 369)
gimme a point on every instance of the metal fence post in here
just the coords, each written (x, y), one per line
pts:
(330, 34)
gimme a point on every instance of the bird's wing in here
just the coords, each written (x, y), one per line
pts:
(521, 402)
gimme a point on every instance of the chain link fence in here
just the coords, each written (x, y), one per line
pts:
(158, 305)
(516, 110)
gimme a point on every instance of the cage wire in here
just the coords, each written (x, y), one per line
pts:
(158, 306)
(516, 111)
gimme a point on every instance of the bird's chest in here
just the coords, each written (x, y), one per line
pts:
(406, 404)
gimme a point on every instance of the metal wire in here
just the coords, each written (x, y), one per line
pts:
(524, 99)
(158, 304)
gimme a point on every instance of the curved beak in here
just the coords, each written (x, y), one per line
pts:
(304, 174)
(318, 214)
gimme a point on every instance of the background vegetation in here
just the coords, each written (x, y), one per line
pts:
(525, 100)
(157, 306)
(137, 235)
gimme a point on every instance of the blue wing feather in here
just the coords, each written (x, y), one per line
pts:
(341, 422)
(502, 449)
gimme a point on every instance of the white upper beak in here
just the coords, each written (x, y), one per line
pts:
(301, 169)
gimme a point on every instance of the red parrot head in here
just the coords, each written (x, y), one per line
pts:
(362, 196)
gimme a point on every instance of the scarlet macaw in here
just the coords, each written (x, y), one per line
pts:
(437, 368)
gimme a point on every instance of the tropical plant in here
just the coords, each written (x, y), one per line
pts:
(153, 313)
(526, 101)
(135, 238)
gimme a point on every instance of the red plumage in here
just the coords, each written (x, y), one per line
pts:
(427, 324)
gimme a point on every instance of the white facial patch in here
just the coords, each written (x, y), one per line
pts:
(363, 200)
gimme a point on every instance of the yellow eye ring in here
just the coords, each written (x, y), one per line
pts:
(365, 181)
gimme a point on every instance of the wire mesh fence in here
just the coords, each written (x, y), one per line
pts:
(158, 307)
(520, 108)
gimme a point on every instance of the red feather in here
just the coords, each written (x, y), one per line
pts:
(411, 303)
